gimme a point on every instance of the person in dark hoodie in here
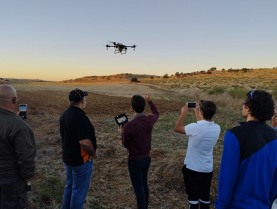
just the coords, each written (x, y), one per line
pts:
(17, 152)
(136, 137)
(248, 171)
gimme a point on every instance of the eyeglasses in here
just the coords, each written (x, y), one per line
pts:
(252, 94)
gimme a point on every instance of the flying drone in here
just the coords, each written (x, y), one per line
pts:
(120, 48)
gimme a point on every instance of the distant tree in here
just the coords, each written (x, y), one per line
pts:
(177, 74)
(166, 76)
(135, 80)
(244, 70)
(152, 77)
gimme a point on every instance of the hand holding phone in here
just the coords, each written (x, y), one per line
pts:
(121, 119)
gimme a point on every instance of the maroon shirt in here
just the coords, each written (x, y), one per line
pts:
(136, 136)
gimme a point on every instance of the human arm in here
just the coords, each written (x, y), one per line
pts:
(228, 171)
(125, 135)
(179, 127)
(25, 149)
(87, 146)
(197, 111)
(153, 108)
(86, 137)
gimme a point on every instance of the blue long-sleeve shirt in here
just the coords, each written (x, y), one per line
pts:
(248, 172)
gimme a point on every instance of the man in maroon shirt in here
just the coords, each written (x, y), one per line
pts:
(136, 137)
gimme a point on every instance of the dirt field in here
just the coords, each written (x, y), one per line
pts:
(110, 185)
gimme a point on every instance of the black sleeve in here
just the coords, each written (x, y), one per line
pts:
(24, 142)
(85, 130)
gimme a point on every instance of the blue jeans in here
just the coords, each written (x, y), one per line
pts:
(77, 185)
(138, 171)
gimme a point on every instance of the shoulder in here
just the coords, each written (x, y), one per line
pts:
(216, 126)
(191, 126)
(18, 123)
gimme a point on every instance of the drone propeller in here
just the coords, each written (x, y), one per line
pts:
(114, 43)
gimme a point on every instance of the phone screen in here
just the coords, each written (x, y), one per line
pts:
(22, 107)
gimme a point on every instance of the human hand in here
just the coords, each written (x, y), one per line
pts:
(147, 97)
(184, 109)
(120, 129)
(197, 107)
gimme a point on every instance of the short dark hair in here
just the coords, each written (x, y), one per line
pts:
(138, 103)
(208, 109)
(260, 104)
(76, 95)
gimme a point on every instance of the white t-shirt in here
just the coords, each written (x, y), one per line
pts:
(203, 136)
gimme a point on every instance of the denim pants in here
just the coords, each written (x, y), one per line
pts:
(77, 185)
(13, 195)
(138, 171)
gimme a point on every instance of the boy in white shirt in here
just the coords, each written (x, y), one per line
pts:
(198, 163)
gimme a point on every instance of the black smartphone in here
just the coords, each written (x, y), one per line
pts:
(191, 104)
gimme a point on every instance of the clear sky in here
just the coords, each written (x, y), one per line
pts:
(64, 39)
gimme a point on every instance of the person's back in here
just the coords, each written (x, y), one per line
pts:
(248, 172)
(11, 128)
(203, 136)
(71, 122)
(79, 148)
(141, 130)
(17, 152)
(136, 137)
(198, 164)
(258, 157)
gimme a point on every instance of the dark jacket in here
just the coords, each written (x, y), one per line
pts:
(74, 127)
(17, 148)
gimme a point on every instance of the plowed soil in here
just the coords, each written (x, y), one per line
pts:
(110, 185)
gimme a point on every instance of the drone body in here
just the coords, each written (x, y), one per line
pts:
(120, 48)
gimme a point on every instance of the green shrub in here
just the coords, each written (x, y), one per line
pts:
(217, 90)
(238, 92)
